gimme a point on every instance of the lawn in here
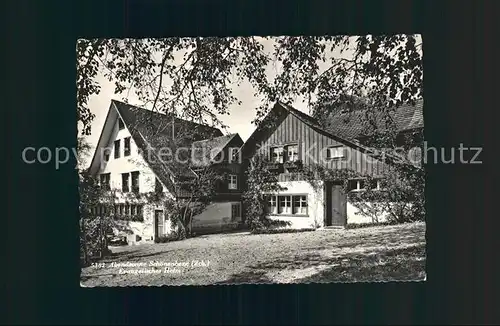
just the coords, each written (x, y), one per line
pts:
(383, 253)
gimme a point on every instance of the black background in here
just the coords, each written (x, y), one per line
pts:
(460, 85)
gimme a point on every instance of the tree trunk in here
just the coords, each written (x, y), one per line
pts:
(84, 242)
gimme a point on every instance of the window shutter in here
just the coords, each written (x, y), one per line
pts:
(345, 150)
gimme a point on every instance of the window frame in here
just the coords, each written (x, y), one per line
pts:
(106, 183)
(358, 185)
(126, 176)
(282, 151)
(136, 187)
(233, 216)
(287, 151)
(231, 185)
(127, 150)
(302, 201)
(116, 148)
(286, 200)
(337, 147)
(276, 200)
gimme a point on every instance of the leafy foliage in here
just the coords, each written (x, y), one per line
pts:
(260, 183)
(94, 228)
(195, 75)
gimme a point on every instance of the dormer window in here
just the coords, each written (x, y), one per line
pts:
(121, 125)
(233, 182)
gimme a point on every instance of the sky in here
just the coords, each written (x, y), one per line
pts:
(238, 120)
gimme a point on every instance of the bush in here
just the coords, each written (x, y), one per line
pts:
(275, 231)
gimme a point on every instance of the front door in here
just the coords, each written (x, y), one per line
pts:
(335, 205)
(159, 222)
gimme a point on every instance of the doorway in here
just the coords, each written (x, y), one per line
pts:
(335, 204)
(159, 223)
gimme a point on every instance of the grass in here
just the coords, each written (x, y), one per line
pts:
(379, 253)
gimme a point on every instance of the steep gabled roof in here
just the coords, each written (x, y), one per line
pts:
(350, 124)
(205, 151)
(153, 124)
(314, 124)
(151, 132)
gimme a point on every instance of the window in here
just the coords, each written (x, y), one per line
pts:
(292, 153)
(100, 210)
(129, 211)
(158, 186)
(135, 181)
(356, 185)
(106, 155)
(235, 211)
(126, 146)
(284, 205)
(105, 181)
(233, 181)
(287, 205)
(335, 152)
(117, 148)
(277, 154)
(300, 205)
(272, 208)
(125, 177)
(121, 125)
(233, 154)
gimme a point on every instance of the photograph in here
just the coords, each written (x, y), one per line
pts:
(251, 160)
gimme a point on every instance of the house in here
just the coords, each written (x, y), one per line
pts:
(292, 140)
(143, 154)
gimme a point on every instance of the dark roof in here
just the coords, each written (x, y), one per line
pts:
(152, 131)
(350, 124)
(204, 151)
